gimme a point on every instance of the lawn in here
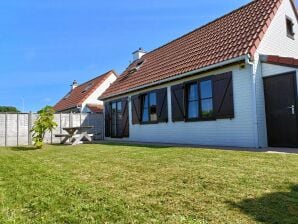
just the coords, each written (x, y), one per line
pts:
(113, 183)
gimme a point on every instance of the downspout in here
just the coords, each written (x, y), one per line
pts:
(254, 104)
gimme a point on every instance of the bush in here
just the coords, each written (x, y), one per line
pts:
(44, 123)
(9, 109)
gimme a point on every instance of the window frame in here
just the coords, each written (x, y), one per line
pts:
(186, 101)
(118, 119)
(290, 33)
(142, 108)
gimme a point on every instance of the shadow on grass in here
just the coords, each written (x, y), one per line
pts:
(135, 144)
(23, 148)
(278, 207)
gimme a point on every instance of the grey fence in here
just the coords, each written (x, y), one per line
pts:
(15, 127)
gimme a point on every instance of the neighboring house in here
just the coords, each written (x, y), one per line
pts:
(84, 98)
(232, 82)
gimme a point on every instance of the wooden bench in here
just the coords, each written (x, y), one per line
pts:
(76, 135)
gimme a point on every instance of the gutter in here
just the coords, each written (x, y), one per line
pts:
(254, 103)
(214, 66)
(69, 108)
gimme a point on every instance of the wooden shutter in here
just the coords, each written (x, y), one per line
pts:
(124, 120)
(162, 105)
(223, 96)
(108, 119)
(136, 109)
(178, 108)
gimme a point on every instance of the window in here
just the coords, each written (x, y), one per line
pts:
(199, 100)
(290, 27)
(149, 109)
(87, 87)
(193, 101)
(206, 99)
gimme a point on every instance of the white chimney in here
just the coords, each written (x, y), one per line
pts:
(138, 54)
(74, 85)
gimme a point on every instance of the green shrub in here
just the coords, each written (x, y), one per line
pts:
(45, 122)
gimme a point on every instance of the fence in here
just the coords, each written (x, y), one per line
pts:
(15, 128)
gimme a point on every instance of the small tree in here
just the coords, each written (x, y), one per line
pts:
(45, 122)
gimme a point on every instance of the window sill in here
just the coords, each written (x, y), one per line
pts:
(200, 119)
(149, 122)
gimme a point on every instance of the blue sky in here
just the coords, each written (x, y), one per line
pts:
(47, 44)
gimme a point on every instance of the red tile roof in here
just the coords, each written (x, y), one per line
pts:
(95, 108)
(278, 60)
(77, 96)
(233, 35)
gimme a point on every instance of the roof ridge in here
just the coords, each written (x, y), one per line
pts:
(96, 86)
(102, 75)
(205, 25)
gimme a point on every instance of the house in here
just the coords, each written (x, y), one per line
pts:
(232, 82)
(84, 98)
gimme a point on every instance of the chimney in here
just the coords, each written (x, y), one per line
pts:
(74, 85)
(138, 54)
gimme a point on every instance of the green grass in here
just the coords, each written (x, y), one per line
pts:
(146, 184)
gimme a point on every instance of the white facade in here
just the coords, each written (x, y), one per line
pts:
(248, 128)
(225, 132)
(274, 42)
(93, 98)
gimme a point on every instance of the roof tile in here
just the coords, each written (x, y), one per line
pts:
(233, 35)
(77, 96)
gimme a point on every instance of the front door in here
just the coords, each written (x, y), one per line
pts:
(281, 110)
(116, 119)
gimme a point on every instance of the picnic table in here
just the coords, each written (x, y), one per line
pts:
(76, 135)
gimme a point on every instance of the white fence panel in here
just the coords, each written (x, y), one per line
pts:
(23, 131)
(2, 129)
(15, 128)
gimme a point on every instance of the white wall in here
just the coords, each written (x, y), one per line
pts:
(275, 41)
(93, 98)
(227, 132)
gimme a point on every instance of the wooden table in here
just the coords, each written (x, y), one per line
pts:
(76, 134)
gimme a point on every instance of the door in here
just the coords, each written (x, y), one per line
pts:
(281, 110)
(119, 122)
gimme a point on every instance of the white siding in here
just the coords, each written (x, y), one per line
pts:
(275, 41)
(226, 132)
(93, 98)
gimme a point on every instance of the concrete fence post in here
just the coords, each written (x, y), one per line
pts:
(60, 125)
(5, 130)
(18, 129)
(30, 125)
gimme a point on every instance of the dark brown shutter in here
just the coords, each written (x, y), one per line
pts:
(125, 120)
(162, 105)
(108, 118)
(223, 96)
(178, 108)
(136, 109)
